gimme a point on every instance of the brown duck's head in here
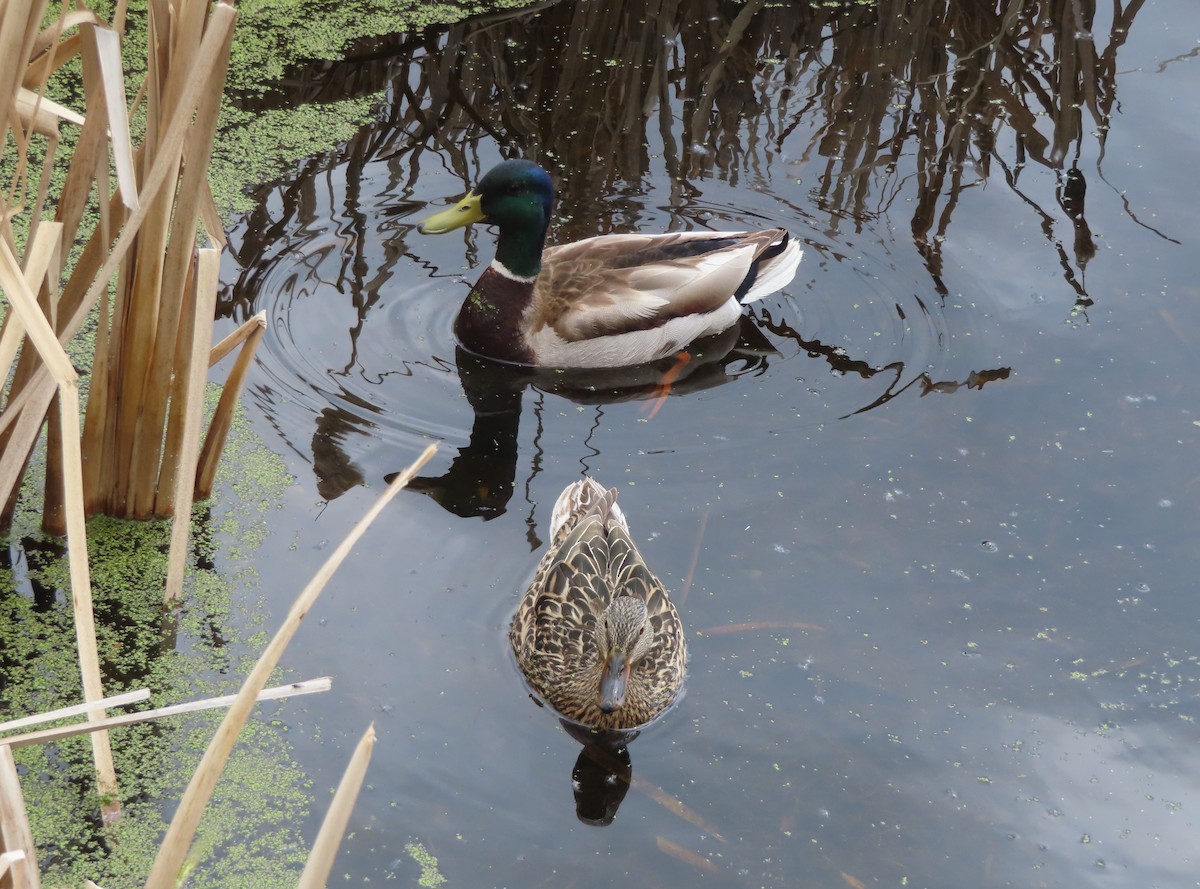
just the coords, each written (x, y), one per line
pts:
(623, 636)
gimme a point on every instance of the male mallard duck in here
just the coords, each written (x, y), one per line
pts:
(595, 634)
(608, 301)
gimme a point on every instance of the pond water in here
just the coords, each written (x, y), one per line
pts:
(929, 515)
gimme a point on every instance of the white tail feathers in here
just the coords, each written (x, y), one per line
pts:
(585, 497)
(775, 272)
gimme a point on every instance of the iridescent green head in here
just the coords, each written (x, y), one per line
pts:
(516, 196)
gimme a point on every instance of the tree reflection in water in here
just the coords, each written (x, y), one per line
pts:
(945, 94)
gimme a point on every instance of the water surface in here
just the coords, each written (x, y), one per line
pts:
(929, 514)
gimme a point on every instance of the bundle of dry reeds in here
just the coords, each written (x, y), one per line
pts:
(139, 450)
(139, 262)
(136, 265)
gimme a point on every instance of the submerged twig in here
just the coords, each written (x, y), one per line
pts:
(187, 405)
(686, 855)
(758, 625)
(686, 586)
(675, 805)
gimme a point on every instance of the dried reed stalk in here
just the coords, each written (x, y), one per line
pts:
(147, 428)
(148, 305)
(235, 339)
(158, 328)
(218, 429)
(188, 400)
(41, 335)
(146, 236)
(129, 697)
(11, 873)
(18, 859)
(150, 363)
(16, 839)
(333, 828)
(69, 731)
(174, 847)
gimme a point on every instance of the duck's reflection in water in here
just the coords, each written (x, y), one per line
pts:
(602, 774)
(481, 477)
(336, 472)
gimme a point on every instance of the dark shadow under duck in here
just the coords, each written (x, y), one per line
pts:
(480, 479)
(607, 301)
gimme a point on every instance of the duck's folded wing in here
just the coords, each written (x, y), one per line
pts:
(621, 283)
(632, 577)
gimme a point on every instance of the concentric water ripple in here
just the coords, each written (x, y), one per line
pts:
(359, 363)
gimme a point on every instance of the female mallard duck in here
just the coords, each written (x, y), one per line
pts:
(595, 634)
(608, 301)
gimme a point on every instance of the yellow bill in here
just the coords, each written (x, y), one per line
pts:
(466, 211)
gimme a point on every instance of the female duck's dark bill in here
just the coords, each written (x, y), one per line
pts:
(465, 212)
(614, 678)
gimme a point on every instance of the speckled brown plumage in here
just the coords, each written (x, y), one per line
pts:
(558, 632)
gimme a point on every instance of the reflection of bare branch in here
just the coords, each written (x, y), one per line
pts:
(1085, 248)
(1182, 57)
(957, 74)
(976, 379)
(1129, 212)
(840, 362)
(1122, 21)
